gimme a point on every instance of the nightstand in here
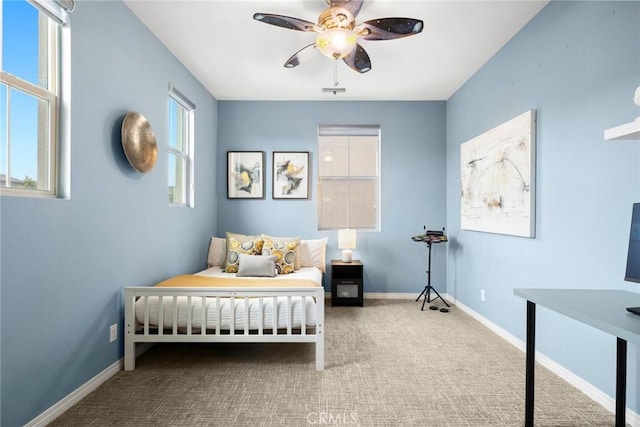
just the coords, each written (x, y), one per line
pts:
(346, 283)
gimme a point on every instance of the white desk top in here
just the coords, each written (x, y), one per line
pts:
(603, 309)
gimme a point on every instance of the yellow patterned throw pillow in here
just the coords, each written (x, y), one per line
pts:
(284, 251)
(236, 247)
(240, 238)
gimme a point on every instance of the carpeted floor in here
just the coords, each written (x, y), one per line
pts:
(387, 364)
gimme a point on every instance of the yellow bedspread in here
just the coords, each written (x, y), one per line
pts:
(196, 281)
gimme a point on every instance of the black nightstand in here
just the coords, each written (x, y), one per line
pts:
(346, 283)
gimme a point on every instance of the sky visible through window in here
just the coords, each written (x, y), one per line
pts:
(20, 58)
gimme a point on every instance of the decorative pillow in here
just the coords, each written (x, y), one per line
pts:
(217, 252)
(312, 253)
(287, 240)
(257, 266)
(235, 247)
(284, 250)
(240, 238)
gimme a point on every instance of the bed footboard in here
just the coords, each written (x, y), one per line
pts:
(222, 315)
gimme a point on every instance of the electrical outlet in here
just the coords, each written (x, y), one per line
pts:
(482, 295)
(113, 332)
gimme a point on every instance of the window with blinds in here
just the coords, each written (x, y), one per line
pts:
(349, 177)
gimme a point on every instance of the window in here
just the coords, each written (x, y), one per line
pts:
(349, 177)
(180, 161)
(30, 82)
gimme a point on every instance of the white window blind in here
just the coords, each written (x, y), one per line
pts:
(349, 177)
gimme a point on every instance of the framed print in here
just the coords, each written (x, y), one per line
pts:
(498, 178)
(290, 174)
(245, 174)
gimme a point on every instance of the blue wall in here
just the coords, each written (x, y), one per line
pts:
(65, 262)
(413, 181)
(577, 64)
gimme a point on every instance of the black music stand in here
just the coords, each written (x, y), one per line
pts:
(429, 240)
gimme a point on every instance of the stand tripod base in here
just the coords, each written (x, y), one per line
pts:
(427, 298)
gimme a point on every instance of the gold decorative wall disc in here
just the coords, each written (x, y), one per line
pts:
(139, 142)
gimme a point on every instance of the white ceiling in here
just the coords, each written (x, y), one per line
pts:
(238, 58)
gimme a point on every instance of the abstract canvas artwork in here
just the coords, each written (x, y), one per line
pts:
(497, 172)
(290, 175)
(245, 174)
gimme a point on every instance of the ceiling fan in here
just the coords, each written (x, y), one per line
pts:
(338, 34)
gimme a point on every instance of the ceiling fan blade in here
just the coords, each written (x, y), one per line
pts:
(352, 6)
(388, 28)
(286, 22)
(294, 61)
(358, 60)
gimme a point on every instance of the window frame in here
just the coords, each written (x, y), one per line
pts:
(186, 155)
(52, 96)
(347, 131)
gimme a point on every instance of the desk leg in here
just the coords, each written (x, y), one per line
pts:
(531, 364)
(621, 382)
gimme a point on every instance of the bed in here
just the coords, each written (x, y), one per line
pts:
(237, 308)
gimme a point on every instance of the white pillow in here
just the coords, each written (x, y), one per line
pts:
(256, 265)
(312, 253)
(217, 252)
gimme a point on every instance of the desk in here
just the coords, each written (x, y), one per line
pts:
(602, 309)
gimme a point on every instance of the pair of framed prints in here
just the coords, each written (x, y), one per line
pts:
(246, 174)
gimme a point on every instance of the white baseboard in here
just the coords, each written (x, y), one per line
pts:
(75, 396)
(83, 391)
(590, 390)
(381, 295)
(376, 295)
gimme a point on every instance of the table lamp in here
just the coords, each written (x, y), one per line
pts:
(346, 242)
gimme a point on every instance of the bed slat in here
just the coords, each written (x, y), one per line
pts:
(203, 316)
(189, 316)
(246, 316)
(146, 315)
(260, 315)
(303, 315)
(174, 319)
(218, 316)
(289, 315)
(160, 315)
(274, 316)
(232, 316)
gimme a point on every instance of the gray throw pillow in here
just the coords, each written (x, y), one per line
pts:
(257, 266)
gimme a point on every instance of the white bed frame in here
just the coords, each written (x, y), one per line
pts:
(146, 333)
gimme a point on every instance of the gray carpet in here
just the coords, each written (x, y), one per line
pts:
(387, 364)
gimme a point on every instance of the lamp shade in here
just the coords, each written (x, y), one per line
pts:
(336, 43)
(346, 242)
(347, 238)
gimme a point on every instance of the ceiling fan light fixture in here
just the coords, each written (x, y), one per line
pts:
(336, 43)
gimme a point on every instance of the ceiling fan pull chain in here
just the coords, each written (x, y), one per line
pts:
(335, 73)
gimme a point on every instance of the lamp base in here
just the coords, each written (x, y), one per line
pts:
(347, 255)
